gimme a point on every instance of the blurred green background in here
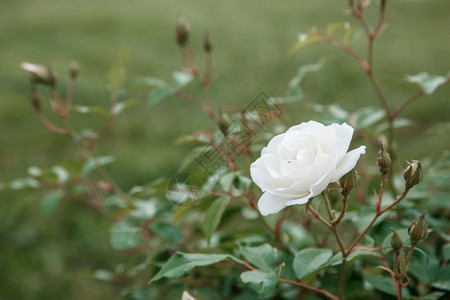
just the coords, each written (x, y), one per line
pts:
(45, 256)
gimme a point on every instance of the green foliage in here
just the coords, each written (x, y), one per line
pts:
(214, 215)
(309, 261)
(180, 264)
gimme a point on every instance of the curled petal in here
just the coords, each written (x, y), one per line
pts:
(348, 163)
(271, 204)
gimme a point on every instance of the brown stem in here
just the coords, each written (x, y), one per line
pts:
(342, 213)
(53, 128)
(377, 215)
(280, 222)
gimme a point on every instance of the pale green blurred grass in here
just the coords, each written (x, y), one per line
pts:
(251, 39)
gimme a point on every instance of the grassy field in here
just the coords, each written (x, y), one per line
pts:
(43, 256)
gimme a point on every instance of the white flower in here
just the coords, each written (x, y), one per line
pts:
(300, 163)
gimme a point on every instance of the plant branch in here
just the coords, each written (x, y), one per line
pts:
(297, 283)
(377, 215)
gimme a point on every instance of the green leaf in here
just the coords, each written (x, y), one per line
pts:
(96, 110)
(310, 260)
(262, 257)
(305, 70)
(446, 251)
(386, 285)
(433, 296)
(92, 163)
(213, 215)
(167, 232)
(305, 39)
(50, 201)
(117, 73)
(426, 82)
(262, 282)
(61, 174)
(442, 285)
(147, 81)
(333, 28)
(337, 259)
(349, 31)
(159, 94)
(123, 236)
(120, 106)
(180, 264)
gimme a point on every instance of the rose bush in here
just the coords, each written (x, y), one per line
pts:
(300, 163)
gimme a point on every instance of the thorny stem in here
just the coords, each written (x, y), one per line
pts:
(298, 283)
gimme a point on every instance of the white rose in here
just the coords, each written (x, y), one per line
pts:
(300, 163)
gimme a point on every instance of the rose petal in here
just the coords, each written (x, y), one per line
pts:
(258, 172)
(322, 183)
(302, 200)
(271, 204)
(344, 134)
(348, 163)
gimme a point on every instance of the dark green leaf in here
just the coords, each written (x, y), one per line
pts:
(310, 260)
(124, 236)
(263, 257)
(262, 282)
(167, 232)
(446, 251)
(159, 94)
(180, 264)
(50, 201)
(213, 215)
(386, 285)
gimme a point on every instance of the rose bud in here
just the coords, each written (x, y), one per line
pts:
(413, 174)
(384, 160)
(182, 31)
(348, 182)
(74, 69)
(418, 229)
(207, 43)
(396, 241)
(38, 73)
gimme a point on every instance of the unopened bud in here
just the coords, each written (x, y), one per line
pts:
(396, 241)
(413, 174)
(418, 229)
(38, 73)
(74, 69)
(182, 31)
(384, 160)
(207, 43)
(348, 182)
(224, 123)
